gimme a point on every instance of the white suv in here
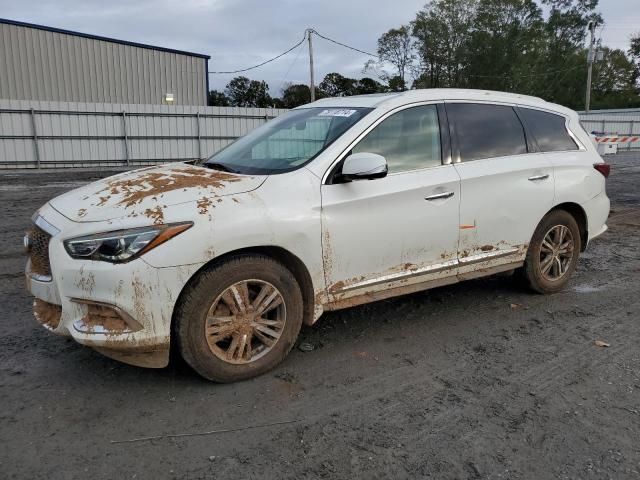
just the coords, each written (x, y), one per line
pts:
(337, 203)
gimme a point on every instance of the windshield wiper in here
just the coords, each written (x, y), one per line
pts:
(220, 166)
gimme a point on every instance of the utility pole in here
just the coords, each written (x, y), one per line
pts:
(312, 87)
(590, 55)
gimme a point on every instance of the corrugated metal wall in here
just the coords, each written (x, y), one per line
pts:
(54, 134)
(615, 122)
(37, 64)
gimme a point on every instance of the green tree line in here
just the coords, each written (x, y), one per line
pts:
(243, 92)
(525, 46)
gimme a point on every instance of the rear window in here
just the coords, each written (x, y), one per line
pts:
(486, 131)
(549, 130)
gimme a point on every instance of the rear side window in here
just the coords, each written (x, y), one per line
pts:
(549, 130)
(486, 131)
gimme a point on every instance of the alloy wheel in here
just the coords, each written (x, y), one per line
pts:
(244, 323)
(556, 252)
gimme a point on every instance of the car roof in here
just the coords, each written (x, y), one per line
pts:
(390, 100)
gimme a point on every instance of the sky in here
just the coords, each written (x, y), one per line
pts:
(241, 33)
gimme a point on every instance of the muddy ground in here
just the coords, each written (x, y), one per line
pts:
(450, 383)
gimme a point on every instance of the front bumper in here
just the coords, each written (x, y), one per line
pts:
(142, 295)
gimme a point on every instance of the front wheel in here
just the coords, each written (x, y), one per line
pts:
(239, 319)
(553, 252)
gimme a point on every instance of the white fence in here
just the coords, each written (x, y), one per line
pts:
(37, 134)
(616, 122)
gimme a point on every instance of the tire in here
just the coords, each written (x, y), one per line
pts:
(537, 259)
(224, 345)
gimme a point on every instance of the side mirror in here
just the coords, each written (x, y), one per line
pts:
(363, 166)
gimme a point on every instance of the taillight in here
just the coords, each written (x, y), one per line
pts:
(603, 168)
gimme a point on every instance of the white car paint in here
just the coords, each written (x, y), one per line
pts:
(357, 241)
(398, 231)
(504, 201)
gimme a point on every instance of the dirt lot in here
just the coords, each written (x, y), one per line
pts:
(450, 383)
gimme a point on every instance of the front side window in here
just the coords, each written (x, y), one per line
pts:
(486, 131)
(287, 142)
(549, 130)
(409, 139)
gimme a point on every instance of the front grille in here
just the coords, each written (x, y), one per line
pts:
(39, 251)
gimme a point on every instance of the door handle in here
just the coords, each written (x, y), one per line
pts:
(439, 196)
(535, 178)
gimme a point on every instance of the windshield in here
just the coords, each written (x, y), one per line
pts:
(287, 142)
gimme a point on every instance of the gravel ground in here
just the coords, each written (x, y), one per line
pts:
(449, 383)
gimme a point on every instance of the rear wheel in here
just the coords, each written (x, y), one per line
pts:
(239, 319)
(553, 252)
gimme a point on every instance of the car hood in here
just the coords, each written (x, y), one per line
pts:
(147, 191)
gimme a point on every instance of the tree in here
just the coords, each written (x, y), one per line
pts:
(395, 47)
(237, 91)
(507, 45)
(368, 85)
(243, 92)
(277, 103)
(295, 95)
(613, 83)
(396, 84)
(336, 85)
(567, 23)
(502, 50)
(442, 29)
(564, 33)
(217, 99)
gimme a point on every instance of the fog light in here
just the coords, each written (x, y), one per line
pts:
(103, 318)
(48, 314)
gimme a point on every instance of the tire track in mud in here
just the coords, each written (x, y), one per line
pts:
(385, 388)
(12, 255)
(409, 395)
(403, 396)
(443, 419)
(4, 276)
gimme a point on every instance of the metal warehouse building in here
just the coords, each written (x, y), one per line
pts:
(43, 63)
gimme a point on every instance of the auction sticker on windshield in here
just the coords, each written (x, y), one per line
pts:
(336, 113)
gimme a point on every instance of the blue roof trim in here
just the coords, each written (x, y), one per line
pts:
(104, 39)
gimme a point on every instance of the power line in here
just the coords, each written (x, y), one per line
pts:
(342, 44)
(290, 67)
(312, 31)
(267, 61)
(554, 82)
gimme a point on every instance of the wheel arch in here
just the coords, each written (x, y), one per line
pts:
(282, 255)
(578, 213)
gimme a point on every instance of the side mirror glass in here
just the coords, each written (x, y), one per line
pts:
(363, 166)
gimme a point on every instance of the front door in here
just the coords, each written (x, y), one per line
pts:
(399, 231)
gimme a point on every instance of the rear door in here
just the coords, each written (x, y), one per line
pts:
(507, 186)
(401, 230)
(575, 178)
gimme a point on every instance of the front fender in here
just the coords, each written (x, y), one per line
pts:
(284, 212)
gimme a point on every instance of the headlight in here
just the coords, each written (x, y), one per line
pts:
(122, 245)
